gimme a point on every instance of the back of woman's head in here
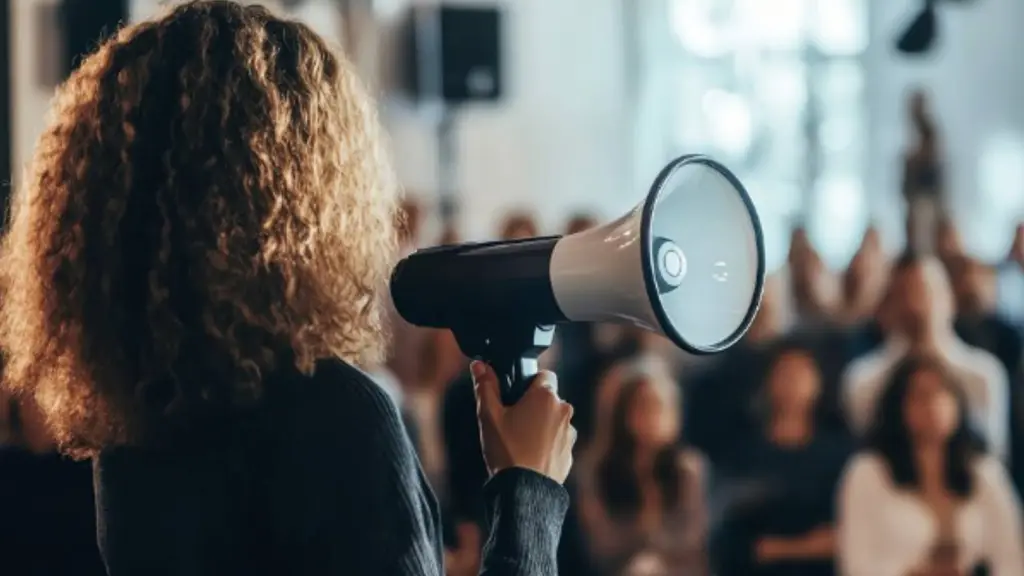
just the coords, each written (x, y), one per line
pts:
(893, 435)
(209, 202)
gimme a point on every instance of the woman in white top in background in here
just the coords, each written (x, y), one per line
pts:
(924, 499)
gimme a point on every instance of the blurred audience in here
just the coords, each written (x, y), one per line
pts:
(977, 321)
(1010, 291)
(922, 309)
(641, 493)
(924, 498)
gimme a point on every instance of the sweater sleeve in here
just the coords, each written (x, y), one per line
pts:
(525, 512)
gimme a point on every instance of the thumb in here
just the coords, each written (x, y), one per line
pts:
(485, 386)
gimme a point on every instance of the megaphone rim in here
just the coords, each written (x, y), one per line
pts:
(646, 242)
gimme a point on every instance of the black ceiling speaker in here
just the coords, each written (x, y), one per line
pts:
(919, 36)
(453, 53)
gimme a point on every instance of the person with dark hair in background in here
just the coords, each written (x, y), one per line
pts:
(813, 287)
(974, 285)
(519, 225)
(194, 270)
(642, 494)
(1010, 284)
(921, 312)
(778, 486)
(924, 499)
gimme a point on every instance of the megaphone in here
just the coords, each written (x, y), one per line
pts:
(687, 262)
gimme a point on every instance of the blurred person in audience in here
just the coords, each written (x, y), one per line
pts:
(866, 293)
(923, 178)
(192, 275)
(519, 225)
(924, 499)
(47, 516)
(864, 282)
(922, 309)
(641, 494)
(813, 288)
(974, 284)
(718, 400)
(1017, 248)
(1010, 290)
(608, 387)
(949, 245)
(777, 507)
(841, 327)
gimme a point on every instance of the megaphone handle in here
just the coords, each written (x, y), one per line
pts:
(513, 351)
(515, 377)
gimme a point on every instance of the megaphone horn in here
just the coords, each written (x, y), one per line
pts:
(688, 263)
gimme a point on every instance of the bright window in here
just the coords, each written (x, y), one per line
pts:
(775, 90)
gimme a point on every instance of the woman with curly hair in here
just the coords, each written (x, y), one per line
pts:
(193, 268)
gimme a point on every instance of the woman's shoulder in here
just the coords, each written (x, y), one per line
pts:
(337, 400)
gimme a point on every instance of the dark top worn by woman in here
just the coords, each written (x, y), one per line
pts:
(778, 491)
(321, 479)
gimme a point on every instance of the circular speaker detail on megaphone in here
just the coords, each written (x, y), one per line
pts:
(687, 262)
(700, 209)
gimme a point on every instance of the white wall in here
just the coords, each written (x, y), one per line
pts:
(35, 65)
(976, 78)
(560, 141)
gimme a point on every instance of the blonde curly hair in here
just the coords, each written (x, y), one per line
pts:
(210, 203)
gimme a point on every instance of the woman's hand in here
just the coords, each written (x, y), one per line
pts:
(535, 433)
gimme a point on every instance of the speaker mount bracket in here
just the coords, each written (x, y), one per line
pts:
(513, 349)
